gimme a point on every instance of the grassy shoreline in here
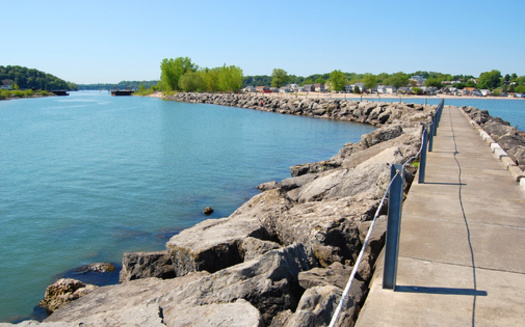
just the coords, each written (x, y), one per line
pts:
(26, 94)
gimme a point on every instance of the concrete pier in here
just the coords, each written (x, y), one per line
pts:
(462, 244)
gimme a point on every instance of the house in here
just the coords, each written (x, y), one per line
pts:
(386, 89)
(262, 89)
(418, 80)
(249, 88)
(318, 87)
(6, 84)
(284, 89)
(351, 87)
(293, 87)
(308, 88)
(404, 90)
(485, 92)
(274, 89)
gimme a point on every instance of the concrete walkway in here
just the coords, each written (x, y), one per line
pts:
(462, 251)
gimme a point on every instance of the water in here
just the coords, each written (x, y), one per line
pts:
(511, 110)
(86, 177)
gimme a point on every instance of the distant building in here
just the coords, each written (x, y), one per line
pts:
(262, 89)
(318, 87)
(249, 88)
(6, 84)
(308, 88)
(418, 80)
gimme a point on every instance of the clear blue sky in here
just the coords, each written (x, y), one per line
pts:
(110, 41)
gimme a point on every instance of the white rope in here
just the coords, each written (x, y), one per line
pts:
(346, 291)
(359, 258)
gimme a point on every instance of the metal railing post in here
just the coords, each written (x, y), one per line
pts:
(431, 134)
(423, 158)
(395, 201)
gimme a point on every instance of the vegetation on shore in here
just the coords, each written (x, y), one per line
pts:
(23, 78)
(17, 94)
(181, 74)
(121, 85)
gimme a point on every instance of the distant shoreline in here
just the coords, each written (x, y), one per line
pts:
(319, 95)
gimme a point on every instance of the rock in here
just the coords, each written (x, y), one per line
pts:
(335, 275)
(267, 186)
(33, 323)
(251, 247)
(64, 291)
(208, 211)
(137, 265)
(134, 303)
(295, 182)
(214, 244)
(317, 306)
(269, 283)
(236, 314)
(100, 267)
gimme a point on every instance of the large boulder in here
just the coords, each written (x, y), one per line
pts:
(137, 265)
(317, 307)
(64, 291)
(269, 283)
(213, 244)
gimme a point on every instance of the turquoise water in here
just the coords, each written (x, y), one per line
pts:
(511, 110)
(86, 177)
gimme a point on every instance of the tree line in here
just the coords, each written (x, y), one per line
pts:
(337, 80)
(24, 78)
(120, 85)
(181, 74)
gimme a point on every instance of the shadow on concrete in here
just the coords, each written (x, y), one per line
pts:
(440, 290)
(451, 184)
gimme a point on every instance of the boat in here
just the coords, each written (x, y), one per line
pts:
(122, 92)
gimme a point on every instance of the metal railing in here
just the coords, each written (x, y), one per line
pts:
(395, 201)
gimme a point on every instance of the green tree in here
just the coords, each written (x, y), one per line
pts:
(490, 80)
(369, 80)
(338, 80)
(230, 78)
(397, 80)
(171, 70)
(433, 82)
(519, 89)
(307, 81)
(192, 82)
(279, 77)
(320, 80)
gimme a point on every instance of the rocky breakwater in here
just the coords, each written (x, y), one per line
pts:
(283, 257)
(371, 113)
(507, 142)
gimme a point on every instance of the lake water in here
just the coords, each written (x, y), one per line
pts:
(511, 110)
(87, 177)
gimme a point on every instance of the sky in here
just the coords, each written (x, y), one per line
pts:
(109, 41)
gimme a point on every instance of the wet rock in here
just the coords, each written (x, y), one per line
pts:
(207, 211)
(64, 291)
(137, 265)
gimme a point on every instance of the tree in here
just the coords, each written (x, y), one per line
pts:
(171, 70)
(338, 80)
(519, 89)
(369, 80)
(230, 78)
(192, 82)
(279, 77)
(307, 81)
(490, 80)
(320, 80)
(433, 82)
(397, 80)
